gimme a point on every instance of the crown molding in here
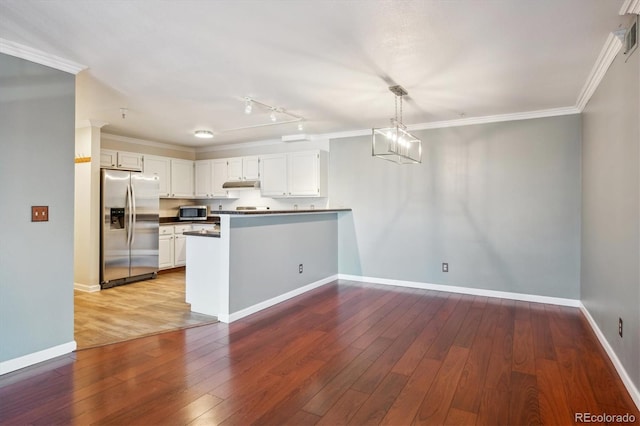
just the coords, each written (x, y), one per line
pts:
(552, 112)
(144, 142)
(605, 59)
(39, 57)
(90, 123)
(630, 6)
(241, 145)
(527, 115)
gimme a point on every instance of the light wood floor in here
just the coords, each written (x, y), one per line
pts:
(344, 353)
(134, 310)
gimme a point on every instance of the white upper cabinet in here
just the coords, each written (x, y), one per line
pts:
(120, 160)
(243, 168)
(204, 179)
(304, 174)
(251, 168)
(294, 174)
(129, 161)
(273, 171)
(234, 169)
(209, 177)
(108, 158)
(182, 178)
(219, 176)
(161, 167)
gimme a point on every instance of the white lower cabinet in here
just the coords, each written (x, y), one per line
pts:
(172, 247)
(165, 252)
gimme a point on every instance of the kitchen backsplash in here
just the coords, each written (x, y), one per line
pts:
(245, 197)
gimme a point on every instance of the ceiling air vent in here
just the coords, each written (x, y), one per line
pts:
(631, 37)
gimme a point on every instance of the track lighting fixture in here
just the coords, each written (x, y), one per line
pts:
(248, 106)
(272, 116)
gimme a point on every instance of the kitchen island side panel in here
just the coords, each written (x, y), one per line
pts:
(265, 254)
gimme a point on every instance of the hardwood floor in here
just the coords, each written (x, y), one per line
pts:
(133, 310)
(345, 353)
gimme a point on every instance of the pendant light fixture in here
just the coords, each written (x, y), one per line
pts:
(395, 143)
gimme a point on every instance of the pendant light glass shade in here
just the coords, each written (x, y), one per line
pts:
(395, 143)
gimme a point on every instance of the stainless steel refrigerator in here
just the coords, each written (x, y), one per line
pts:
(130, 204)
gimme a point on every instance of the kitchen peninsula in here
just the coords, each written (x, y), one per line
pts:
(260, 258)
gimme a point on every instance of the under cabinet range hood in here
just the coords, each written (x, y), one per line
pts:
(237, 184)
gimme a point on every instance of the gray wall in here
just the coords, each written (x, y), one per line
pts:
(265, 253)
(610, 209)
(36, 168)
(499, 202)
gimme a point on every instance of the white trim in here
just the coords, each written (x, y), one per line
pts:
(36, 357)
(90, 123)
(630, 6)
(465, 290)
(227, 318)
(240, 145)
(605, 59)
(527, 115)
(145, 142)
(39, 57)
(88, 288)
(628, 383)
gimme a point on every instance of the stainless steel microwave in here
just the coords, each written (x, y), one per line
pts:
(193, 213)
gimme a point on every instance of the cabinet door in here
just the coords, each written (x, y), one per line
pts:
(250, 168)
(130, 161)
(181, 178)
(108, 158)
(180, 250)
(219, 176)
(273, 175)
(165, 251)
(161, 167)
(234, 169)
(304, 173)
(204, 175)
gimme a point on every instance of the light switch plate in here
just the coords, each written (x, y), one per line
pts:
(39, 213)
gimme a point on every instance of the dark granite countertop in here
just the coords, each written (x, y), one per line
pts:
(267, 212)
(175, 221)
(203, 233)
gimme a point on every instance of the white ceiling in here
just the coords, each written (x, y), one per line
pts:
(179, 66)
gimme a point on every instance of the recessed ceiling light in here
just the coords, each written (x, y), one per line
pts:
(203, 134)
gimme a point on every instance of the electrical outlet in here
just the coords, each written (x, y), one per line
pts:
(300, 268)
(445, 267)
(39, 213)
(620, 326)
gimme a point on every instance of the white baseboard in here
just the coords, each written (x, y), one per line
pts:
(36, 357)
(227, 318)
(86, 287)
(628, 383)
(465, 290)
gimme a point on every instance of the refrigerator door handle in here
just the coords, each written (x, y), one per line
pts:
(133, 214)
(130, 207)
